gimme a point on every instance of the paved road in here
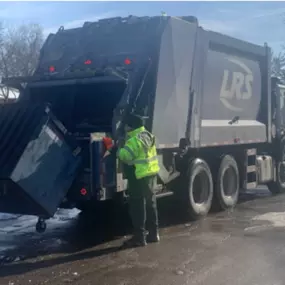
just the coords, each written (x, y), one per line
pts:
(242, 247)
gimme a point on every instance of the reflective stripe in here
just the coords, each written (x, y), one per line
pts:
(146, 160)
(143, 161)
(146, 149)
(144, 144)
(129, 150)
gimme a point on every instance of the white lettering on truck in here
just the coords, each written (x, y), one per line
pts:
(240, 81)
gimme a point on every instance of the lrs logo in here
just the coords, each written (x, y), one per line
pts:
(240, 87)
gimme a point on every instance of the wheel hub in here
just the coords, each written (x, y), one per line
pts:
(229, 181)
(201, 188)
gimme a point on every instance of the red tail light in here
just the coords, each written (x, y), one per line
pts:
(127, 61)
(51, 69)
(83, 191)
(87, 62)
(108, 143)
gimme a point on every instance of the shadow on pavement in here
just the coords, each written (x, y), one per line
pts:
(21, 268)
(85, 233)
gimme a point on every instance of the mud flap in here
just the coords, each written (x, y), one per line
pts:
(165, 175)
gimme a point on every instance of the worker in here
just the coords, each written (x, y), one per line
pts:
(138, 153)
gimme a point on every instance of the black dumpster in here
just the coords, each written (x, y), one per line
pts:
(38, 160)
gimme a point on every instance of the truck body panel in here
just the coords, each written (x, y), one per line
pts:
(205, 80)
(172, 95)
(234, 85)
(232, 88)
(98, 45)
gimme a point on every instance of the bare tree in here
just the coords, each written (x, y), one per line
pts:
(278, 65)
(19, 51)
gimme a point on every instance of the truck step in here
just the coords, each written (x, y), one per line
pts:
(251, 185)
(251, 151)
(250, 170)
(164, 174)
(164, 194)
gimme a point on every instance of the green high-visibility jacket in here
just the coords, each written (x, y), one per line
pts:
(140, 150)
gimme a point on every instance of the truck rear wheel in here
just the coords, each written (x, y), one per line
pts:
(278, 187)
(200, 189)
(226, 190)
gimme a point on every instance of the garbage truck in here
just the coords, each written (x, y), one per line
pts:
(209, 99)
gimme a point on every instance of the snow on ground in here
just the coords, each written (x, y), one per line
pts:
(7, 216)
(60, 212)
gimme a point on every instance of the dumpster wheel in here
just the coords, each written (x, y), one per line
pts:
(41, 226)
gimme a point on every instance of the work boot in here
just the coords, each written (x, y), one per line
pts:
(135, 242)
(153, 237)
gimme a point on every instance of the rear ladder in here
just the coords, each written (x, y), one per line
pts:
(250, 180)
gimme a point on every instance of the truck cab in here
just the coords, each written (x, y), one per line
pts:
(278, 100)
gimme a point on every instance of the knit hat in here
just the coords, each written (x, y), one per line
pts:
(134, 121)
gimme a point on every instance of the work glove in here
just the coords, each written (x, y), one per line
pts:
(118, 144)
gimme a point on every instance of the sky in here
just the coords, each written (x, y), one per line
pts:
(257, 22)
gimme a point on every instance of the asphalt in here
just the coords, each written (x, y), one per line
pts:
(240, 247)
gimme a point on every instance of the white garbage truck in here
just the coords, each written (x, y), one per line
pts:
(217, 115)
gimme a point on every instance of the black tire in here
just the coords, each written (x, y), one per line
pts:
(227, 186)
(278, 186)
(41, 227)
(200, 189)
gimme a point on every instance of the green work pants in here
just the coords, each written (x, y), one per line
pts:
(142, 205)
